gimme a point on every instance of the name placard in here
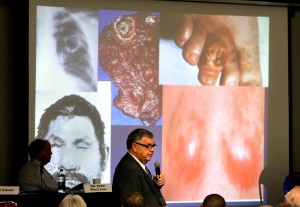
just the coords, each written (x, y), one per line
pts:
(9, 190)
(95, 188)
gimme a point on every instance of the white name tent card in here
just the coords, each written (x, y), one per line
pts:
(9, 190)
(95, 188)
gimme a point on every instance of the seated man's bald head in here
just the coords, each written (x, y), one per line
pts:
(214, 200)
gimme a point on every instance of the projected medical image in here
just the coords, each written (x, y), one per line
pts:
(197, 81)
(128, 54)
(66, 50)
(79, 134)
(214, 50)
(213, 142)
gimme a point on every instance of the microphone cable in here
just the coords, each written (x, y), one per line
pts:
(42, 181)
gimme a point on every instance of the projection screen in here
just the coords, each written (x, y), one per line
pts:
(209, 80)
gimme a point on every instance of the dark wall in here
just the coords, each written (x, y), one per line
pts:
(14, 88)
(295, 94)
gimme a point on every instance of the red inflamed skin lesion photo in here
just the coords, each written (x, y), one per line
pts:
(213, 141)
(242, 163)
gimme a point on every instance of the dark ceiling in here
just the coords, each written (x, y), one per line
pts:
(290, 3)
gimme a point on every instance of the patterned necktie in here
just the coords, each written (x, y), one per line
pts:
(148, 171)
(158, 194)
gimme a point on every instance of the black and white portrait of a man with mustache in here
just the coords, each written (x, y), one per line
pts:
(76, 131)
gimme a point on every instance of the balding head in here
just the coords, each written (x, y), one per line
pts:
(214, 200)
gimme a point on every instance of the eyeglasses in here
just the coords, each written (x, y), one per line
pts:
(148, 147)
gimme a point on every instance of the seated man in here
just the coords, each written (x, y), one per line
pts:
(33, 176)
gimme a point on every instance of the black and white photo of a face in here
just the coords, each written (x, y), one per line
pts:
(66, 49)
(75, 143)
(75, 148)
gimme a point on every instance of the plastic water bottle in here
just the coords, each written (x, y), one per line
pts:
(61, 181)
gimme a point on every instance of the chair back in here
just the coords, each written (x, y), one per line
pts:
(291, 181)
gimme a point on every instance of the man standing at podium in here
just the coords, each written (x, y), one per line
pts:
(132, 175)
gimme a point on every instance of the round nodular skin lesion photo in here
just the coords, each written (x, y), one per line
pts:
(128, 53)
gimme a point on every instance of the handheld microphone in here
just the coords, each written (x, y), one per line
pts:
(157, 169)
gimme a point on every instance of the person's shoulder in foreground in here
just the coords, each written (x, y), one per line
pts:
(134, 199)
(72, 200)
(292, 198)
(214, 200)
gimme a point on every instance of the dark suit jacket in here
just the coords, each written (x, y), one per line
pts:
(130, 177)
